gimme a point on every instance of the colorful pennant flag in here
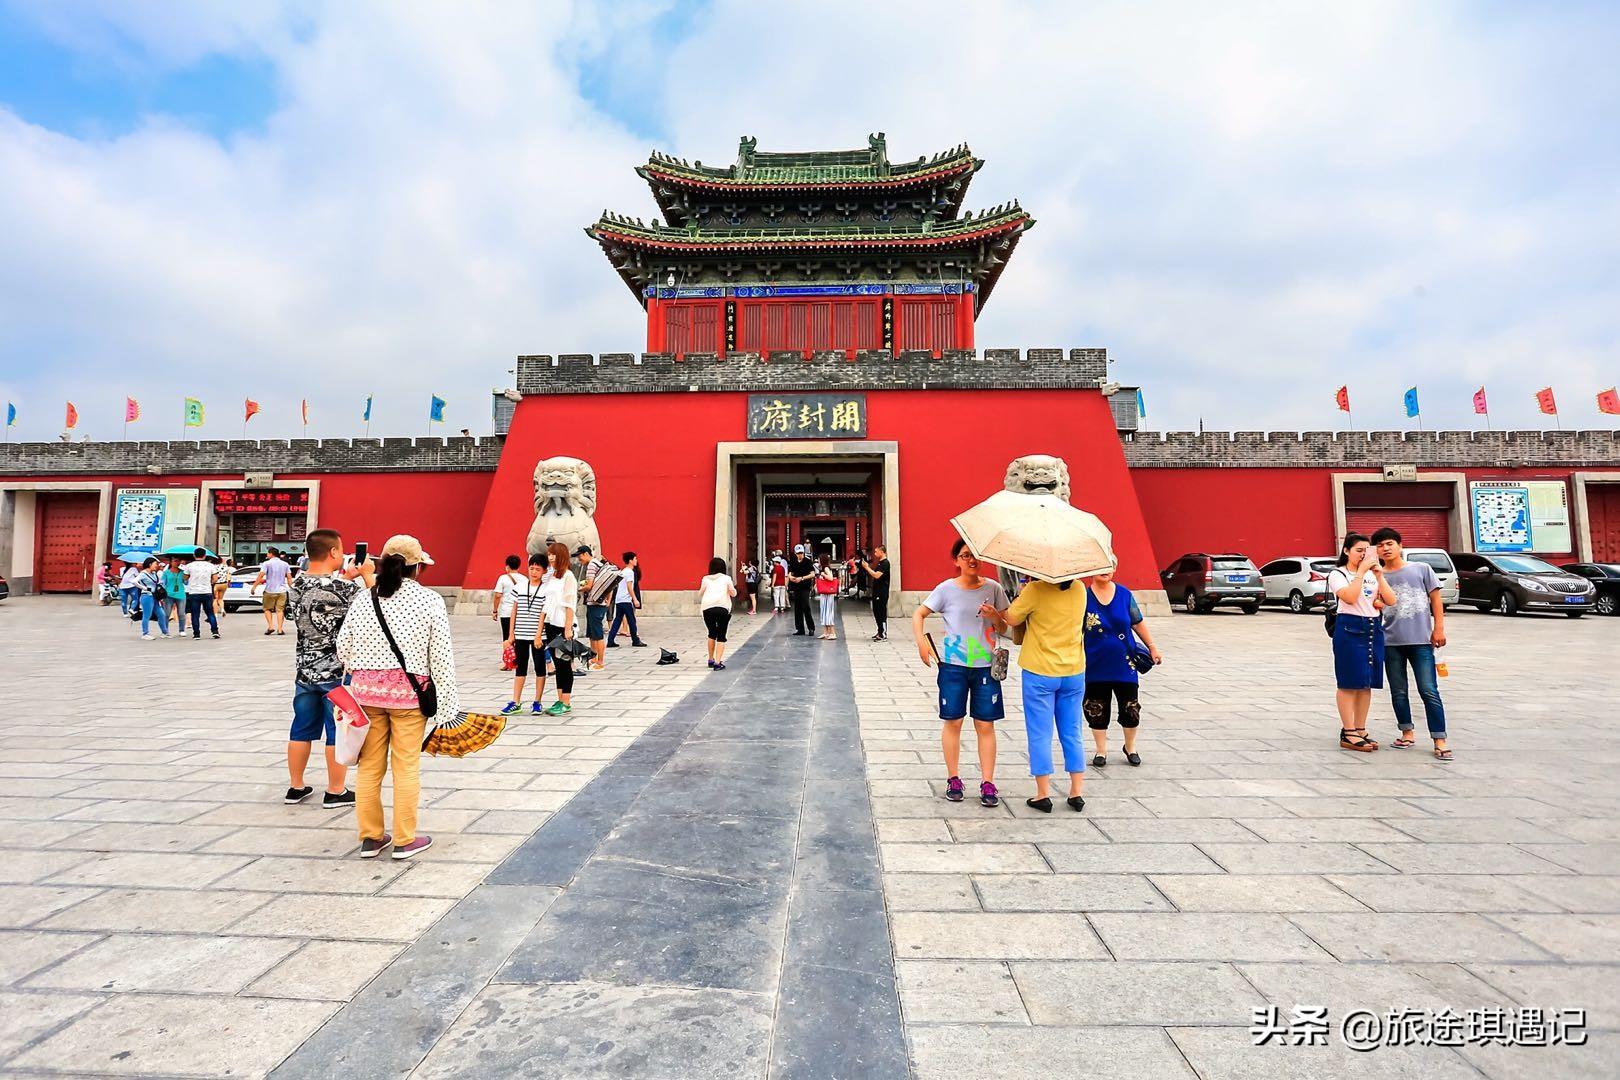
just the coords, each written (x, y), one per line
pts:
(1141, 403)
(72, 419)
(1480, 407)
(1411, 400)
(1609, 402)
(194, 412)
(303, 410)
(366, 416)
(250, 409)
(132, 410)
(436, 410)
(1342, 399)
(1546, 401)
(11, 414)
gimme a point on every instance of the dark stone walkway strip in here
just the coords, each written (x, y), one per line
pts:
(391, 1025)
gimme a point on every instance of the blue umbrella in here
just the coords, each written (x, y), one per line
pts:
(184, 549)
(133, 556)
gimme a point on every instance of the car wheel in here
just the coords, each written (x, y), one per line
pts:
(1574, 614)
(1250, 609)
(1606, 604)
(1296, 602)
(1507, 604)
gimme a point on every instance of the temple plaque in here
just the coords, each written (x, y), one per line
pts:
(807, 416)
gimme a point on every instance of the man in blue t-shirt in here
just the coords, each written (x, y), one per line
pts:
(973, 610)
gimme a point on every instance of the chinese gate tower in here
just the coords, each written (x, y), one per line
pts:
(811, 252)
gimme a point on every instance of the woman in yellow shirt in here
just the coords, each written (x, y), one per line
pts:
(1054, 661)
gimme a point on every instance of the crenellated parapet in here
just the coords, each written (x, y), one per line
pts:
(1370, 449)
(456, 454)
(864, 369)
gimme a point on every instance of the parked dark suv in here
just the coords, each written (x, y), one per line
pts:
(1513, 583)
(1605, 577)
(1198, 582)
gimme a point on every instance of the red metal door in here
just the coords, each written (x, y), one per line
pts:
(1420, 527)
(67, 541)
(1603, 511)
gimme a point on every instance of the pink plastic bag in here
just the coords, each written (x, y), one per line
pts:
(352, 725)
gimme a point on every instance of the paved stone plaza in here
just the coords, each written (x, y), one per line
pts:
(753, 873)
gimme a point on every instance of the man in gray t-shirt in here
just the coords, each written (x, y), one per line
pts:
(1414, 627)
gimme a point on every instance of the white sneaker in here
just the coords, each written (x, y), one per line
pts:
(146, 637)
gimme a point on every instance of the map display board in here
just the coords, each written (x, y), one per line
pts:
(151, 519)
(1520, 515)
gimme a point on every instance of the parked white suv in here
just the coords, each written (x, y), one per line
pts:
(1444, 569)
(1300, 581)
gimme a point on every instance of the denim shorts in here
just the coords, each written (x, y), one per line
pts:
(596, 621)
(961, 686)
(312, 713)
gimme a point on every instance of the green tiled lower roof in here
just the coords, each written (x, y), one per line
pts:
(993, 220)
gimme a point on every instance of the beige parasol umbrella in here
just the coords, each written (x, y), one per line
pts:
(1038, 535)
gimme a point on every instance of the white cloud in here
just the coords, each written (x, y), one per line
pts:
(1248, 204)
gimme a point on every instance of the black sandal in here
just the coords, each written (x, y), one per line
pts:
(1076, 803)
(1043, 805)
(1356, 739)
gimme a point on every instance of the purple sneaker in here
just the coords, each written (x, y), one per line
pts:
(953, 789)
(421, 843)
(987, 794)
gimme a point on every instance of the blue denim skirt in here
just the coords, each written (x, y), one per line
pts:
(1358, 652)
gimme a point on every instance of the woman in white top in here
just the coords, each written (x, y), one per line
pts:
(715, 593)
(391, 693)
(1358, 636)
(827, 595)
(526, 606)
(561, 592)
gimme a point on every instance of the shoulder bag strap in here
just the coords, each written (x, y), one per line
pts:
(376, 605)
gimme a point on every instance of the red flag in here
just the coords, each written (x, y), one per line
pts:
(1609, 402)
(132, 409)
(72, 416)
(1544, 398)
(1479, 402)
(1343, 398)
(304, 408)
(249, 408)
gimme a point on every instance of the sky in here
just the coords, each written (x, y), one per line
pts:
(1248, 204)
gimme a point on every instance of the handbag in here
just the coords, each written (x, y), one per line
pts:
(1140, 658)
(826, 586)
(352, 725)
(427, 695)
(509, 657)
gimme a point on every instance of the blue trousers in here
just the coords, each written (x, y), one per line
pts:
(150, 606)
(129, 600)
(1054, 702)
(199, 605)
(624, 613)
(1421, 657)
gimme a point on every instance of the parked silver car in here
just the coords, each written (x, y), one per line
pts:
(1444, 569)
(1300, 581)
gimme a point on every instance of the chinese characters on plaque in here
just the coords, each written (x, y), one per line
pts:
(807, 416)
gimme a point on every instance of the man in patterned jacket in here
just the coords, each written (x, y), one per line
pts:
(316, 603)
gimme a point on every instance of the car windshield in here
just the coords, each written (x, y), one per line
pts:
(1229, 562)
(1438, 560)
(1524, 564)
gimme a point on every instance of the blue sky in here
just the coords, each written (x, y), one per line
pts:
(1248, 204)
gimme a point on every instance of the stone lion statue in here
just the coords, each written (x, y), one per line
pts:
(564, 502)
(1038, 473)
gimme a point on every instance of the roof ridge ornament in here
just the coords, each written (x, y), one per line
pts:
(745, 152)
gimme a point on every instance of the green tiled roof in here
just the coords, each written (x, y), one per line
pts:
(871, 165)
(797, 235)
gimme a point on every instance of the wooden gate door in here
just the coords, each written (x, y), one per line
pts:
(67, 541)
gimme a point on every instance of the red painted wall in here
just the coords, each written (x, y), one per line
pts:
(654, 457)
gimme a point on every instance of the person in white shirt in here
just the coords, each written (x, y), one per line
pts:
(1358, 637)
(500, 610)
(626, 601)
(199, 574)
(715, 594)
(526, 602)
(128, 589)
(562, 602)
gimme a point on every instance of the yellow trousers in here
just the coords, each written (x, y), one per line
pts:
(395, 734)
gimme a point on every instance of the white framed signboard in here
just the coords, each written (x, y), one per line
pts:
(1520, 515)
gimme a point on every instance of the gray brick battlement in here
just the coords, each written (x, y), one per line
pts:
(867, 369)
(1370, 449)
(455, 454)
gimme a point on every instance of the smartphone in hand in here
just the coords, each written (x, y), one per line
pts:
(361, 553)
